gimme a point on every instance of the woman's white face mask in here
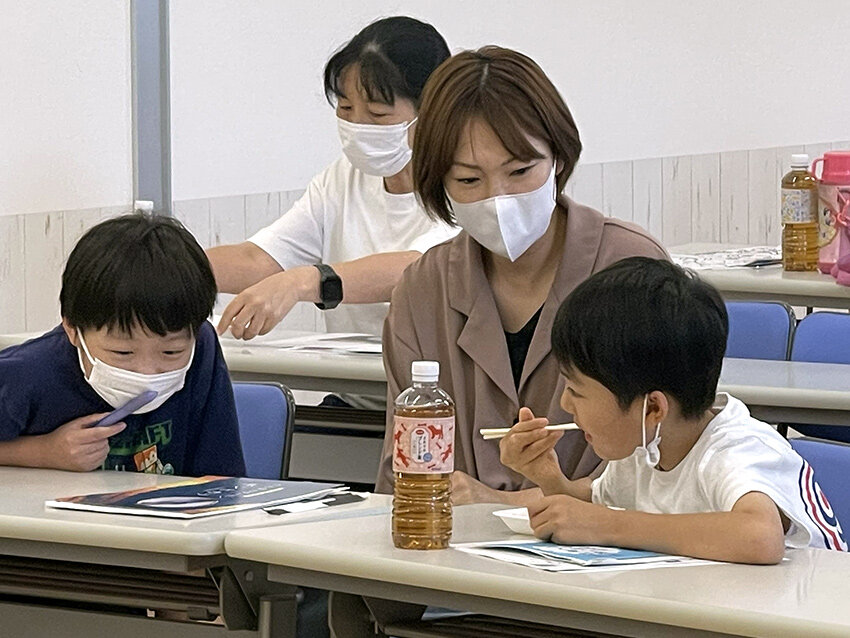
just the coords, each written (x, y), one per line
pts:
(376, 149)
(508, 225)
(116, 386)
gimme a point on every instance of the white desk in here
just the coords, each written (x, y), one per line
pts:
(252, 361)
(790, 391)
(800, 597)
(811, 289)
(776, 391)
(105, 546)
(341, 373)
(771, 283)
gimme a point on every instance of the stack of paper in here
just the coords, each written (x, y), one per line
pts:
(751, 256)
(569, 558)
(342, 343)
(331, 342)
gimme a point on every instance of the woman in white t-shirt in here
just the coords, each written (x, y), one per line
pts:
(358, 225)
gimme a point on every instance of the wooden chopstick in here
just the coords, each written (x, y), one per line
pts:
(498, 433)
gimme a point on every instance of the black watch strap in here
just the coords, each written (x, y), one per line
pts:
(330, 287)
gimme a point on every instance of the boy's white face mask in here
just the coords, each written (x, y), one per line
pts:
(376, 149)
(508, 225)
(650, 452)
(116, 386)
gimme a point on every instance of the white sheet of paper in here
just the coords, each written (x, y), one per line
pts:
(331, 342)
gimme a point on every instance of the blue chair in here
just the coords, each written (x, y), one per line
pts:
(266, 412)
(823, 337)
(831, 464)
(759, 329)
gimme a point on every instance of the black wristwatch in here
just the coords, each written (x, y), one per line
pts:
(330, 287)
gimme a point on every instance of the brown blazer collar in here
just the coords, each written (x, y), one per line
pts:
(469, 293)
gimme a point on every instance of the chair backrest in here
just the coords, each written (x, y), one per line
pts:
(759, 329)
(831, 464)
(266, 413)
(823, 337)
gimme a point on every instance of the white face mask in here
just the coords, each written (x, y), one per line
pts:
(116, 386)
(508, 224)
(650, 452)
(376, 149)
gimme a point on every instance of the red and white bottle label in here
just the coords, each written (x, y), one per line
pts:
(423, 446)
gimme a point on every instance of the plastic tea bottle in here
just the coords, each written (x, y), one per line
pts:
(799, 216)
(423, 461)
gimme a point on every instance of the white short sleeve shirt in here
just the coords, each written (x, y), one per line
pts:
(735, 454)
(343, 215)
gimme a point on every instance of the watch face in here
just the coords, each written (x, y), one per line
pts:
(330, 287)
(332, 291)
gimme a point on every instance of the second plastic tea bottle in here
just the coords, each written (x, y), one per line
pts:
(799, 216)
(423, 461)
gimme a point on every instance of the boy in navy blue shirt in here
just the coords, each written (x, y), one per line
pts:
(136, 294)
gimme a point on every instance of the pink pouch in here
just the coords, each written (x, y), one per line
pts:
(841, 269)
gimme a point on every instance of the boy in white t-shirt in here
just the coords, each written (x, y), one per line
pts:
(641, 345)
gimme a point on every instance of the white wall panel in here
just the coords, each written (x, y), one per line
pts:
(676, 200)
(705, 197)
(12, 275)
(617, 190)
(734, 197)
(647, 177)
(195, 216)
(65, 110)
(44, 260)
(643, 80)
(585, 185)
(763, 194)
(227, 220)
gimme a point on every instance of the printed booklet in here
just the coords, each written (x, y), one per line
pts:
(196, 497)
(554, 557)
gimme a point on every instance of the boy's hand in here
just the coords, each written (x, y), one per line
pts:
(77, 446)
(530, 450)
(567, 520)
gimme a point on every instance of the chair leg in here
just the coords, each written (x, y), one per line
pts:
(349, 617)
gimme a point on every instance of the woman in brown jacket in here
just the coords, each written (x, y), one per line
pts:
(494, 148)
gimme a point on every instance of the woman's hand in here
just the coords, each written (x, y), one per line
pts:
(258, 309)
(466, 490)
(530, 450)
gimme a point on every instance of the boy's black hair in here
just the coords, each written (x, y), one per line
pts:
(138, 270)
(396, 55)
(642, 325)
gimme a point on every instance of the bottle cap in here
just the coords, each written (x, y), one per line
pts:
(836, 167)
(425, 370)
(143, 205)
(800, 160)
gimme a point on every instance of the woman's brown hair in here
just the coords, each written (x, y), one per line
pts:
(507, 90)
